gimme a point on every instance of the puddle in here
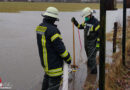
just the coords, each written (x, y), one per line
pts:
(19, 60)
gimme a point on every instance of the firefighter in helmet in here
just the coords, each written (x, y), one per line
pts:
(91, 37)
(52, 50)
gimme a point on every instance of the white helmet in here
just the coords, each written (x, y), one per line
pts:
(52, 12)
(86, 12)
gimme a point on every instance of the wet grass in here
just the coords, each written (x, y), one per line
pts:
(41, 6)
(117, 77)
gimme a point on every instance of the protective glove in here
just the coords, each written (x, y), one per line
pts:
(68, 62)
(73, 20)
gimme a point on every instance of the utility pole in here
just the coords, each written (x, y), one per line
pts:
(124, 32)
(102, 54)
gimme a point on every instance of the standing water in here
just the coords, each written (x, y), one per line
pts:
(19, 60)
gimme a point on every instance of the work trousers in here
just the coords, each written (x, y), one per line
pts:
(51, 83)
(91, 51)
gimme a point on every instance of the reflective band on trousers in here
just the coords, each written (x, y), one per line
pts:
(55, 36)
(98, 26)
(63, 55)
(43, 40)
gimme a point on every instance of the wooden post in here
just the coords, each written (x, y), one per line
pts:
(124, 33)
(102, 53)
(128, 3)
(110, 4)
(73, 47)
(114, 36)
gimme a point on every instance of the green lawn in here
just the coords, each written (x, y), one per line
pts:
(41, 6)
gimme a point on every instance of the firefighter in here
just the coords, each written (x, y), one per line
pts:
(91, 37)
(52, 50)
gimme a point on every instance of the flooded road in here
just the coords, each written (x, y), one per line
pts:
(19, 60)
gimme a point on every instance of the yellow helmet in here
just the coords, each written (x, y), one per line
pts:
(51, 12)
(86, 12)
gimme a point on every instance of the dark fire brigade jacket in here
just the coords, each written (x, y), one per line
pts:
(91, 31)
(52, 51)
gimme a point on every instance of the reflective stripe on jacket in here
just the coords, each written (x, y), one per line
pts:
(52, 51)
(91, 30)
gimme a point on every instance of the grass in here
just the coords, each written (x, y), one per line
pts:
(116, 78)
(41, 6)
